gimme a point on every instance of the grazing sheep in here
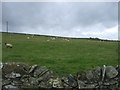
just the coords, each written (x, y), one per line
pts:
(52, 38)
(66, 40)
(8, 45)
(48, 40)
(28, 37)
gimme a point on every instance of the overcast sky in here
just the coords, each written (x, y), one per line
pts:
(68, 19)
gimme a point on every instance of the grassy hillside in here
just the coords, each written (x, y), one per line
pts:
(62, 56)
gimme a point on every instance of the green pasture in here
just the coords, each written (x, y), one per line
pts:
(61, 56)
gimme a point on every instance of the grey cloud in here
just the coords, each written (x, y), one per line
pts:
(105, 13)
(58, 17)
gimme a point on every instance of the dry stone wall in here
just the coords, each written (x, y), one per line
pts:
(20, 75)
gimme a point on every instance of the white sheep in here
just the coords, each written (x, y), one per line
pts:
(28, 37)
(8, 45)
(52, 38)
(48, 40)
(66, 40)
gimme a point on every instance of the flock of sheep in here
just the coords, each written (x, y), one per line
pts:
(55, 38)
(51, 39)
(8, 45)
